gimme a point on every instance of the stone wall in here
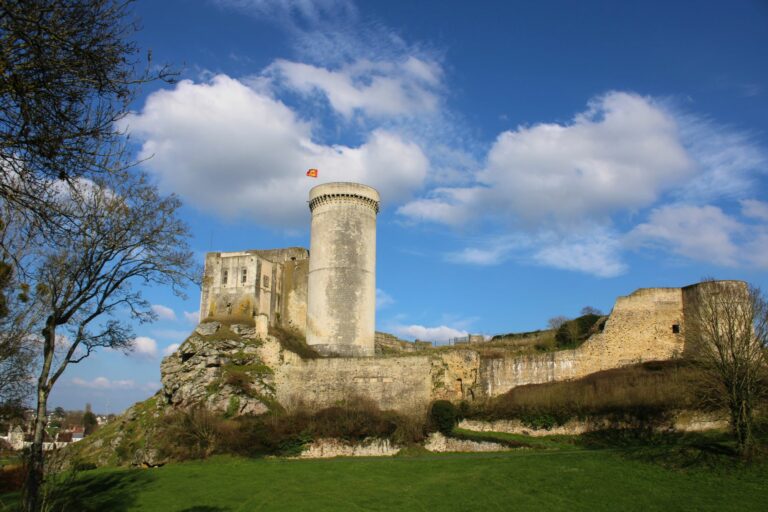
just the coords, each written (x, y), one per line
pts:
(401, 383)
(238, 286)
(640, 328)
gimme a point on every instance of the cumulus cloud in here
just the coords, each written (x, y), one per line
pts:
(621, 153)
(163, 312)
(564, 185)
(103, 383)
(440, 333)
(144, 347)
(706, 233)
(227, 148)
(170, 349)
(376, 89)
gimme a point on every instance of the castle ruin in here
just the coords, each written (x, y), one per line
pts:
(328, 294)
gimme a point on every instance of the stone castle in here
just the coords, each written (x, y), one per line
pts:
(328, 295)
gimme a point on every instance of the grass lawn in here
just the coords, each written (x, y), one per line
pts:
(557, 476)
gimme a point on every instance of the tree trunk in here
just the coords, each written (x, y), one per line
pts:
(36, 463)
(35, 460)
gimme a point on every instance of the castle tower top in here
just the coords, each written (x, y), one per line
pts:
(341, 192)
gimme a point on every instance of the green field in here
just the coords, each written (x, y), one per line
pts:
(555, 476)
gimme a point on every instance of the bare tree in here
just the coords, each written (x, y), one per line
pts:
(18, 316)
(69, 73)
(85, 278)
(556, 321)
(589, 310)
(727, 331)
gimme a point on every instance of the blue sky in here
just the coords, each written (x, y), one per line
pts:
(533, 158)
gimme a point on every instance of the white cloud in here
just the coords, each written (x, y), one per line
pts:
(163, 312)
(754, 209)
(703, 233)
(622, 153)
(383, 299)
(170, 349)
(597, 254)
(479, 256)
(227, 148)
(192, 316)
(728, 161)
(144, 347)
(379, 89)
(441, 333)
(595, 251)
(103, 383)
(309, 11)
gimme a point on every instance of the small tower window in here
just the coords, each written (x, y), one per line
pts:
(244, 275)
(224, 277)
(266, 281)
(676, 328)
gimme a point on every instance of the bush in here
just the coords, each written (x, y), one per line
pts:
(12, 478)
(572, 333)
(192, 434)
(443, 416)
(198, 433)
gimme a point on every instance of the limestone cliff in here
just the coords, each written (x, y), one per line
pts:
(222, 368)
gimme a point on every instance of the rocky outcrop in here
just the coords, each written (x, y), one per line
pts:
(680, 421)
(221, 368)
(327, 448)
(437, 442)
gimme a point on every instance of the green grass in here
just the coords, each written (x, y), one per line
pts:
(568, 477)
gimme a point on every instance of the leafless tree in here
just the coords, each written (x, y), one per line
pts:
(18, 315)
(727, 331)
(589, 310)
(85, 281)
(69, 73)
(556, 321)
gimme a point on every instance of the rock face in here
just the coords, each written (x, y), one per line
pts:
(437, 442)
(219, 367)
(327, 448)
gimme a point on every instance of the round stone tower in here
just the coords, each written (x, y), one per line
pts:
(341, 294)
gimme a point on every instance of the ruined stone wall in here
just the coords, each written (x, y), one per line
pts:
(640, 328)
(294, 311)
(400, 383)
(238, 286)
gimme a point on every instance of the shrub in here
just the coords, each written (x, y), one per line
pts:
(443, 416)
(293, 340)
(12, 478)
(192, 434)
(573, 332)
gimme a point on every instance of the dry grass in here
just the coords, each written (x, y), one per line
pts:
(641, 390)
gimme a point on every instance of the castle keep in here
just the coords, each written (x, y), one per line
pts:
(328, 294)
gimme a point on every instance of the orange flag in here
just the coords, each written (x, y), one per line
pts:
(312, 173)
